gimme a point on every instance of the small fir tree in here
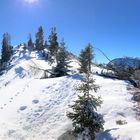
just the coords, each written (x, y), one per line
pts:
(85, 59)
(30, 42)
(53, 46)
(6, 48)
(46, 44)
(86, 120)
(62, 66)
(39, 42)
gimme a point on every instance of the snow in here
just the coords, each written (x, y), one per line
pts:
(35, 109)
(117, 105)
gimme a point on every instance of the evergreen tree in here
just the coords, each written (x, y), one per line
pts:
(6, 50)
(0, 64)
(62, 66)
(86, 120)
(53, 47)
(85, 59)
(30, 42)
(46, 44)
(39, 42)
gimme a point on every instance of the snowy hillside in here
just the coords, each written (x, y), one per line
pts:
(35, 109)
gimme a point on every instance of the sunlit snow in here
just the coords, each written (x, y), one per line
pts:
(35, 109)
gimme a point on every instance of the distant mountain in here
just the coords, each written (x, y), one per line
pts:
(125, 63)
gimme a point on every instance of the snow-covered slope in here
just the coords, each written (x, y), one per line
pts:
(35, 109)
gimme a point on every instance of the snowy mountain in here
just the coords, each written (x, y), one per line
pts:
(35, 109)
(125, 63)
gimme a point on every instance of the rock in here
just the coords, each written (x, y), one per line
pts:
(136, 97)
(121, 122)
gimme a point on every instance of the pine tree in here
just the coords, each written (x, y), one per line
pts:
(39, 42)
(53, 47)
(62, 66)
(85, 59)
(85, 119)
(46, 44)
(30, 42)
(6, 50)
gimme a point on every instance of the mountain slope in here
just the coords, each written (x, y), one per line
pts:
(35, 109)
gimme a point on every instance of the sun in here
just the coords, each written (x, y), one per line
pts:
(31, 1)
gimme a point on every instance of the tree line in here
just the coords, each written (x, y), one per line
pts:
(56, 52)
(38, 45)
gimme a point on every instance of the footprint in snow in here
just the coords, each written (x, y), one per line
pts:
(36, 114)
(43, 90)
(35, 101)
(22, 108)
(38, 110)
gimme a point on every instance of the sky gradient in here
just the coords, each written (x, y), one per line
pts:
(110, 25)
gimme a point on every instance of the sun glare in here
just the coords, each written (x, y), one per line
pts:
(31, 1)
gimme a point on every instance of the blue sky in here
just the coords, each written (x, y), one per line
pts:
(111, 25)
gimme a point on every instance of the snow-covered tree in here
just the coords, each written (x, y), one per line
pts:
(62, 66)
(85, 59)
(86, 121)
(39, 42)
